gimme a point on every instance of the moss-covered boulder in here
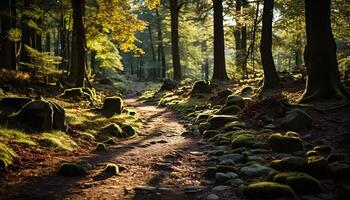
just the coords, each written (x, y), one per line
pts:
(291, 163)
(112, 106)
(324, 149)
(42, 115)
(111, 169)
(296, 120)
(225, 168)
(210, 133)
(301, 183)
(229, 110)
(203, 126)
(100, 147)
(112, 130)
(235, 100)
(340, 170)
(72, 169)
(244, 140)
(285, 144)
(312, 153)
(218, 121)
(14, 103)
(233, 126)
(268, 190)
(75, 94)
(128, 130)
(168, 85)
(318, 166)
(225, 93)
(201, 87)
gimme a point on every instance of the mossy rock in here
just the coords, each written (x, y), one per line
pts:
(168, 85)
(225, 168)
(229, 110)
(225, 93)
(100, 147)
(112, 106)
(318, 166)
(340, 170)
(210, 133)
(324, 149)
(268, 190)
(292, 163)
(296, 120)
(292, 134)
(112, 130)
(201, 87)
(14, 103)
(218, 121)
(111, 169)
(235, 100)
(244, 140)
(301, 183)
(247, 90)
(203, 116)
(284, 144)
(203, 126)
(233, 126)
(75, 93)
(72, 169)
(312, 153)
(210, 172)
(128, 130)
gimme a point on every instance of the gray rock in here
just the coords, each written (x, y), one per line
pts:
(227, 162)
(236, 182)
(212, 197)
(220, 188)
(146, 188)
(221, 178)
(232, 175)
(235, 157)
(255, 158)
(296, 120)
(255, 170)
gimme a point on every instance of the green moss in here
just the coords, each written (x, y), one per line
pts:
(57, 140)
(16, 136)
(229, 110)
(284, 144)
(111, 169)
(72, 169)
(6, 155)
(218, 121)
(292, 163)
(301, 183)
(235, 125)
(244, 140)
(268, 190)
(292, 134)
(325, 149)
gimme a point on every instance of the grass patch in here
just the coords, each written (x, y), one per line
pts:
(57, 140)
(15, 136)
(150, 92)
(6, 155)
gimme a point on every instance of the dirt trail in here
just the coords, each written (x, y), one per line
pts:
(160, 163)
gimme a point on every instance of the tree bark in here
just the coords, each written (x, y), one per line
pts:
(174, 14)
(244, 46)
(238, 34)
(78, 20)
(219, 44)
(155, 67)
(161, 54)
(25, 34)
(323, 81)
(48, 42)
(5, 10)
(271, 79)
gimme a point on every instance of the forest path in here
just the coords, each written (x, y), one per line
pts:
(160, 164)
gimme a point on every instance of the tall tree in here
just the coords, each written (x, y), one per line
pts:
(323, 80)
(161, 54)
(174, 14)
(78, 20)
(219, 43)
(6, 44)
(271, 79)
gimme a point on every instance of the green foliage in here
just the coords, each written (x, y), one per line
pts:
(43, 63)
(6, 155)
(57, 140)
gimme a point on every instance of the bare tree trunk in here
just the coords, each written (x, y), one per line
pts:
(155, 66)
(271, 79)
(25, 34)
(161, 54)
(78, 20)
(5, 9)
(219, 44)
(323, 80)
(174, 13)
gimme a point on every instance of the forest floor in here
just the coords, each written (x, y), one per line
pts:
(159, 163)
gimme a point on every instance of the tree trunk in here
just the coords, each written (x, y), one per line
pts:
(219, 44)
(323, 80)
(155, 66)
(78, 20)
(244, 46)
(48, 42)
(5, 10)
(93, 61)
(161, 54)
(238, 34)
(25, 34)
(271, 79)
(174, 13)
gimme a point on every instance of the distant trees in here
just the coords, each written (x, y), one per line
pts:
(323, 80)
(219, 43)
(8, 21)
(271, 79)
